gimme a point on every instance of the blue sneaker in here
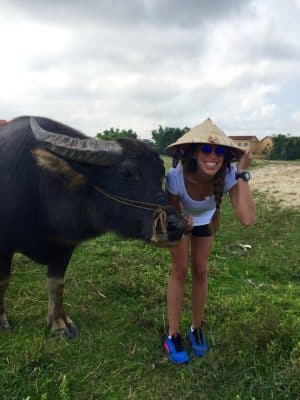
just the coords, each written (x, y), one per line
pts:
(175, 349)
(197, 342)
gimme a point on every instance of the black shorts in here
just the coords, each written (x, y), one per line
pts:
(201, 231)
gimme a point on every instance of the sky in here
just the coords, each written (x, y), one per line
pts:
(138, 64)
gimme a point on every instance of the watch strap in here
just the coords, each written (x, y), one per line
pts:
(245, 175)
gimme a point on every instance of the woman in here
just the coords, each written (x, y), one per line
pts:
(195, 188)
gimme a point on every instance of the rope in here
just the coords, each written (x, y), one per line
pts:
(130, 202)
(159, 214)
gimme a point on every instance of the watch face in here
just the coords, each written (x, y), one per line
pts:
(244, 175)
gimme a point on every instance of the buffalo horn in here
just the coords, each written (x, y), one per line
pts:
(87, 150)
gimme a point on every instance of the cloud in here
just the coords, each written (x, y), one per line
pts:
(153, 12)
(295, 117)
(101, 64)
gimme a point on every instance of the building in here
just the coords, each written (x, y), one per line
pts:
(3, 122)
(257, 147)
(246, 142)
(266, 144)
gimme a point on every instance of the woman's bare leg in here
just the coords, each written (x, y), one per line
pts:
(201, 248)
(180, 259)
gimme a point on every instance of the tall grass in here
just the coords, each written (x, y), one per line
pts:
(116, 293)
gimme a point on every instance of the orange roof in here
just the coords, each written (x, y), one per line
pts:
(243, 138)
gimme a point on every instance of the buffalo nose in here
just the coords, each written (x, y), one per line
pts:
(176, 226)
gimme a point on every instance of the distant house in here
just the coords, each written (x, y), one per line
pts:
(266, 144)
(3, 122)
(257, 147)
(246, 142)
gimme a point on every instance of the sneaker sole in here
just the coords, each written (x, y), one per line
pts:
(170, 359)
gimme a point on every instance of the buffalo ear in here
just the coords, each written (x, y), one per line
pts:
(58, 166)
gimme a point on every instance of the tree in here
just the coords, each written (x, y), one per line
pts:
(165, 136)
(278, 148)
(113, 134)
(293, 148)
(285, 148)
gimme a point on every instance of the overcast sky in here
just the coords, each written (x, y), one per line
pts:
(143, 63)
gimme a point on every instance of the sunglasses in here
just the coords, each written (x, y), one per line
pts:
(208, 149)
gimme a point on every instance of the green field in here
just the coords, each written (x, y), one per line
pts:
(116, 294)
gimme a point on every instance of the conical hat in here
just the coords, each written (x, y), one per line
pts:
(206, 132)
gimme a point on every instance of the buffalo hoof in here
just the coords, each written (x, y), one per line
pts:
(63, 328)
(4, 325)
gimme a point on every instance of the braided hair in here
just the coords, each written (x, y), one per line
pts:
(190, 165)
(219, 183)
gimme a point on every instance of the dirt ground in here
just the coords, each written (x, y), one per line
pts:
(281, 181)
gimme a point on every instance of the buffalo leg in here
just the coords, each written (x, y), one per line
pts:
(5, 272)
(59, 323)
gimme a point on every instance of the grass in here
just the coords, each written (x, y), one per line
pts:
(115, 292)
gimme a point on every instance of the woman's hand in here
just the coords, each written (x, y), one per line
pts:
(188, 222)
(244, 161)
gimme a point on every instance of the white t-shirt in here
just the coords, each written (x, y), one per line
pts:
(203, 210)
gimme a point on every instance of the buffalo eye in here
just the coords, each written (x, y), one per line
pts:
(129, 172)
(130, 176)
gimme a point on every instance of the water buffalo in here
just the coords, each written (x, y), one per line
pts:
(60, 187)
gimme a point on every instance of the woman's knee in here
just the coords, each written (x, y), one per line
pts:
(179, 272)
(200, 272)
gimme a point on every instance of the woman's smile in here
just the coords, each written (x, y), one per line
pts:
(209, 164)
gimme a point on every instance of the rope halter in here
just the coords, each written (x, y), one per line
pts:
(159, 214)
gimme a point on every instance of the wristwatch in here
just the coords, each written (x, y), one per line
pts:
(245, 175)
